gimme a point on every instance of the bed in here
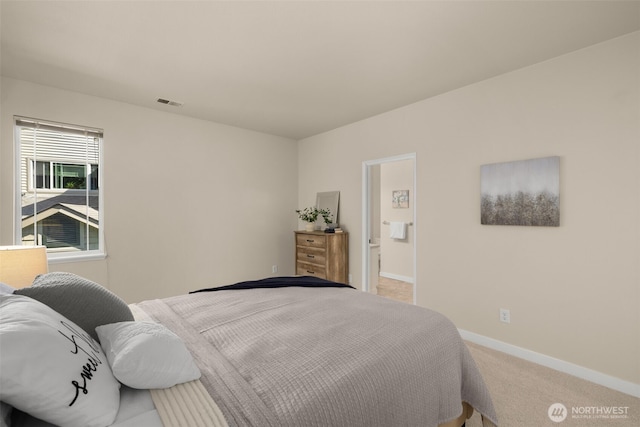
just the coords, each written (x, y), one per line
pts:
(289, 351)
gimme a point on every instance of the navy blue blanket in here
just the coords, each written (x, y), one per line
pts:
(279, 282)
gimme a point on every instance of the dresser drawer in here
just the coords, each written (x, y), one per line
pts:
(311, 240)
(311, 255)
(304, 269)
(322, 255)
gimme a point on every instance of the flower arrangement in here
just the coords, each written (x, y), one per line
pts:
(311, 214)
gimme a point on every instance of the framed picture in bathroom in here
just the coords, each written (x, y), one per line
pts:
(400, 198)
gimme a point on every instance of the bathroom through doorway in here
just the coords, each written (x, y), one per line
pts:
(389, 212)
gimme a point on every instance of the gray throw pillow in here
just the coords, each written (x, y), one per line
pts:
(5, 413)
(82, 301)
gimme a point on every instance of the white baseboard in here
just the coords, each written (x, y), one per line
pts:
(596, 377)
(396, 277)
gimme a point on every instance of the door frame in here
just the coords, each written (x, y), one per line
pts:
(366, 216)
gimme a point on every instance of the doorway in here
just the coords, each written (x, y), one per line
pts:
(389, 227)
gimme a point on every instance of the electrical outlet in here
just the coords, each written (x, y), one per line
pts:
(274, 268)
(505, 315)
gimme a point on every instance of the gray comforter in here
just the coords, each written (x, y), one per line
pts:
(324, 357)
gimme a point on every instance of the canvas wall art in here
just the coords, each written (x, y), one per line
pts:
(525, 192)
(400, 198)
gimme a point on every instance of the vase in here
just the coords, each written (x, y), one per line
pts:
(310, 226)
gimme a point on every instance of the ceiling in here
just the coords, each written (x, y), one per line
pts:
(291, 68)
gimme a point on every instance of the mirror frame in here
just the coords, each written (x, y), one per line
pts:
(329, 200)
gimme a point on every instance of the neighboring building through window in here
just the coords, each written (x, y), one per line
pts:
(60, 176)
(60, 195)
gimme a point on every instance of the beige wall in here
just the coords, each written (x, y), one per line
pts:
(188, 203)
(573, 291)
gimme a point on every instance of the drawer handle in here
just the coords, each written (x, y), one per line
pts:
(311, 272)
(310, 240)
(310, 256)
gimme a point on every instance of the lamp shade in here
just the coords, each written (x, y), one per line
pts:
(19, 265)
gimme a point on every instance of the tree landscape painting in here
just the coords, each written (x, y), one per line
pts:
(525, 192)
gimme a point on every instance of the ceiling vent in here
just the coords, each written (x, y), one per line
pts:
(168, 102)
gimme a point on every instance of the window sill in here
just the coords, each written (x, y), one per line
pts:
(60, 258)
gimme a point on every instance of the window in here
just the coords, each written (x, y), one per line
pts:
(59, 195)
(65, 175)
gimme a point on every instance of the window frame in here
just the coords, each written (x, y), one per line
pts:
(56, 255)
(88, 172)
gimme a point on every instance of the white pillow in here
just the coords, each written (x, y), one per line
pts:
(51, 368)
(146, 355)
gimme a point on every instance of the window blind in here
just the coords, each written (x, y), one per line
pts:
(58, 127)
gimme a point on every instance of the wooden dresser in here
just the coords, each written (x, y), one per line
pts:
(323, 255)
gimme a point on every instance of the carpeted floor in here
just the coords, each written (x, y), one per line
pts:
(523, 392)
